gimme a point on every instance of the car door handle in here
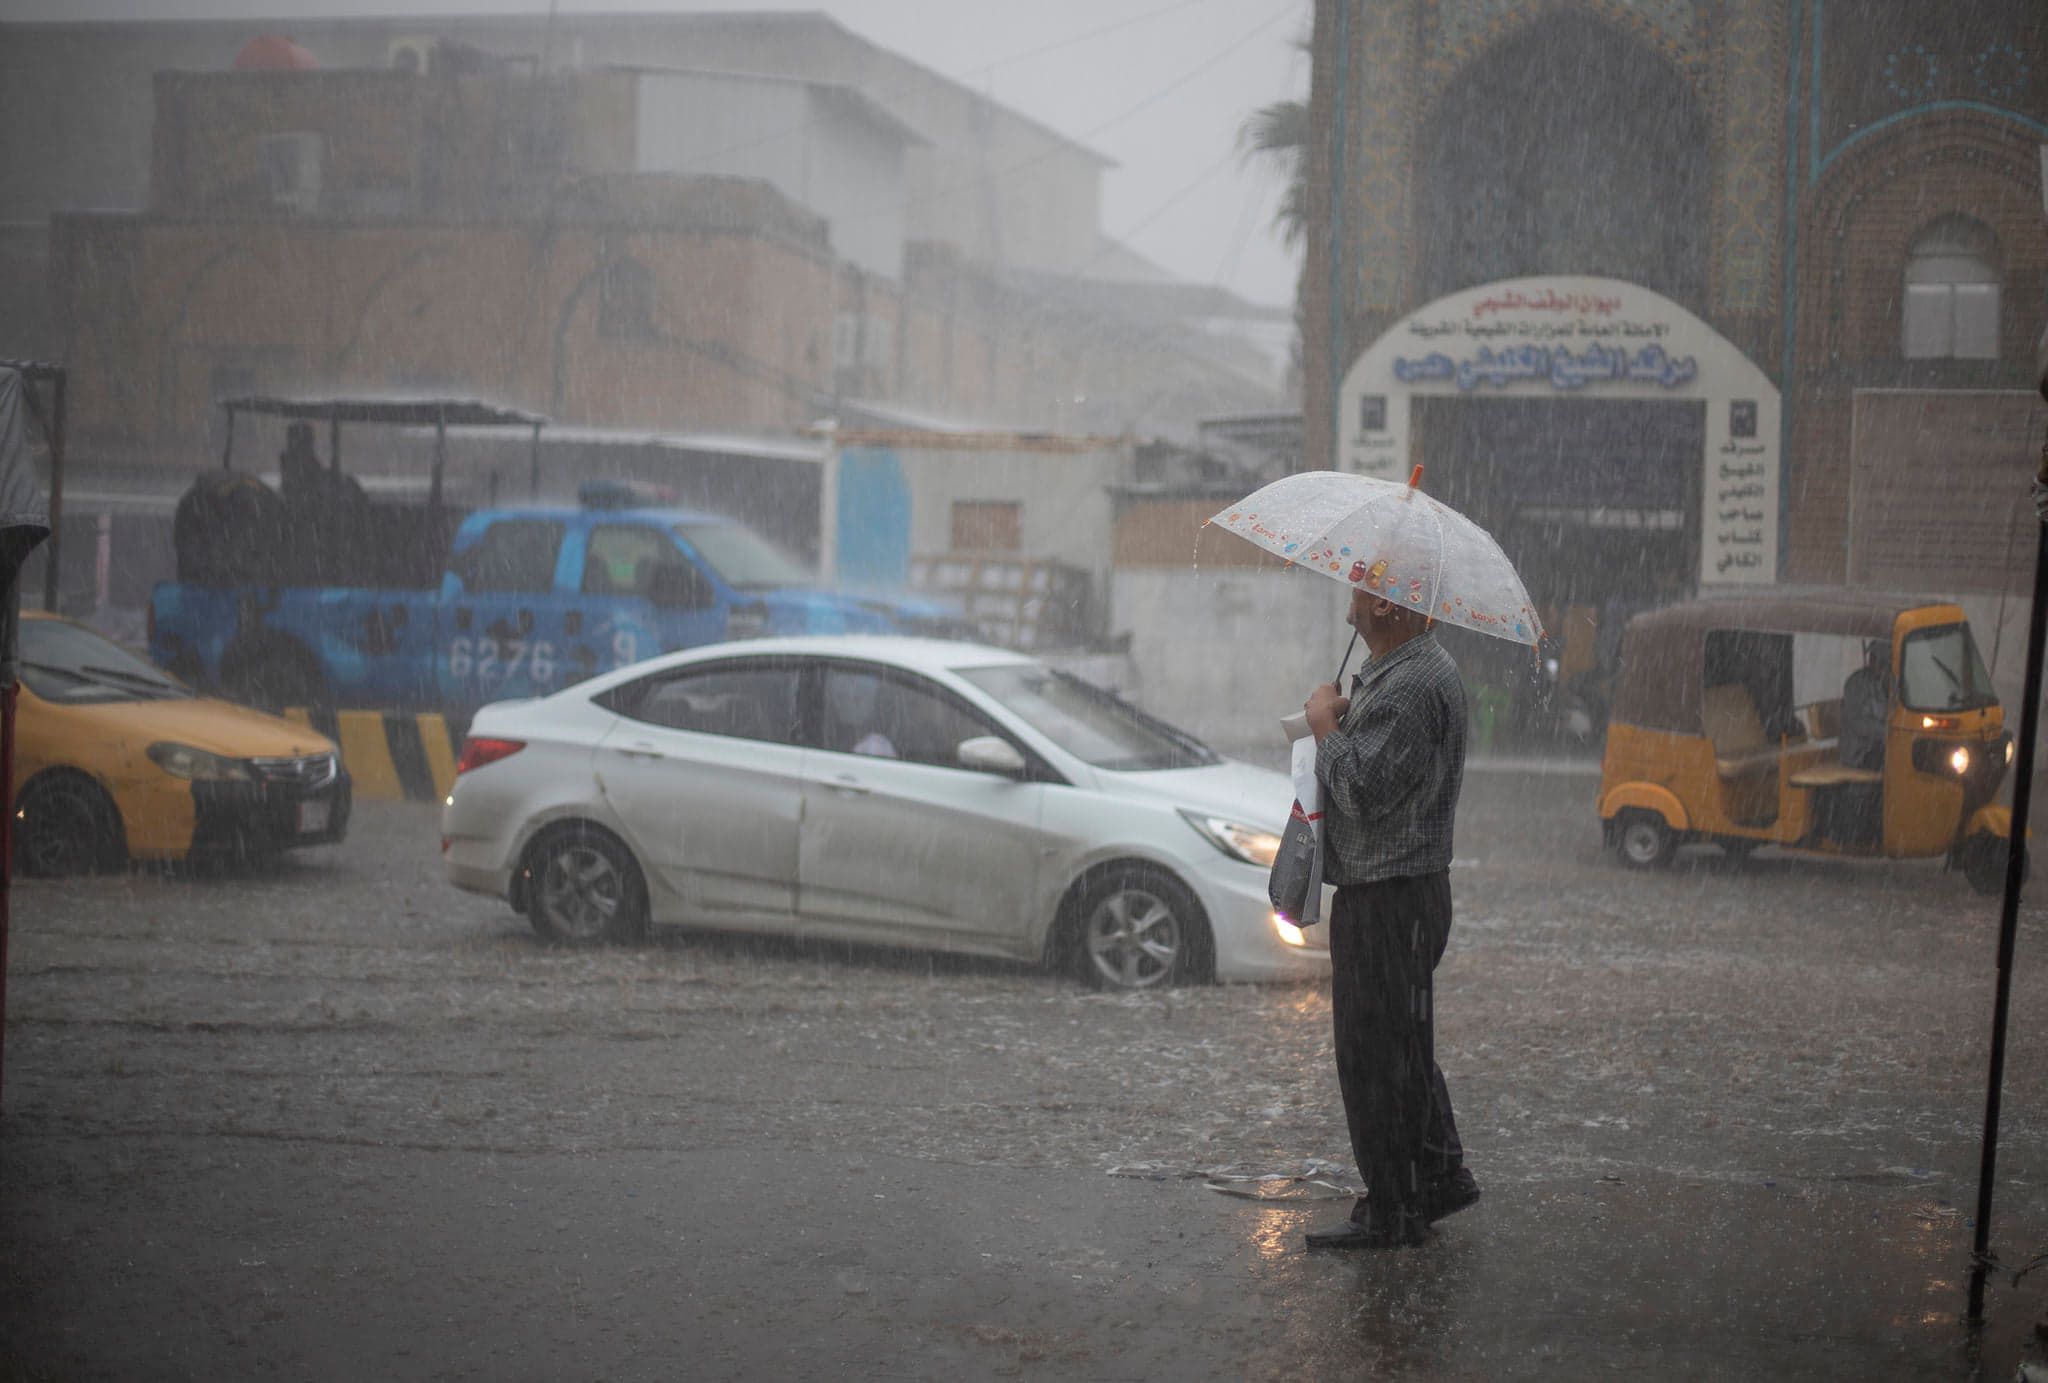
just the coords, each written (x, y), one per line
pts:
(848, 784)
(641, 750)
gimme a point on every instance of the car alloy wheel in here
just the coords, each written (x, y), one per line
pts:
(1133, 938)
(585, 890)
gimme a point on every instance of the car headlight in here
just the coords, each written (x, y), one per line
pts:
(2008, 751)
(1240, 842)
(196, 765)
(1959, 760)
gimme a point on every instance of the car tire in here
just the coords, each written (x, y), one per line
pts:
(1137, 928)
(1982, 859)
(1644, 841)
(583, 888)
(65, 823)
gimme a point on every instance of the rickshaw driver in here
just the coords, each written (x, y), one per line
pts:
(1853, 813)
(1866, 709)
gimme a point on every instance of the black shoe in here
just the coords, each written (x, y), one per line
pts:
(1456, 1192)
(1406, 1232)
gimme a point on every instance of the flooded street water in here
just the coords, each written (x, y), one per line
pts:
(243, 1112)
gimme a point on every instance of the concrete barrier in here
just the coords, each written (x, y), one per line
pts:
(392, 755)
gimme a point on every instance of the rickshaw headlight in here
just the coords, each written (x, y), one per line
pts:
(1960, 760)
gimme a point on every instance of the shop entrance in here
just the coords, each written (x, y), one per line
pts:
(1595, 501)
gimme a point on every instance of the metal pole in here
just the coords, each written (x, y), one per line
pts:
(334, 445)
(227, 446)
(53, 572)
(8, 697)
(1338, 364)
(2008, 920)
(533, 479)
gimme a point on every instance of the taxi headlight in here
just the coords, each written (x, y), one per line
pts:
(1246, 843)
(1959, 760)
(2009, 751)
(196, 765)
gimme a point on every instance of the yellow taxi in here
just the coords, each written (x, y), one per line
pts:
(115, 760)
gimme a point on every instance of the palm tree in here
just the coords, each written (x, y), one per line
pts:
(1280, 132)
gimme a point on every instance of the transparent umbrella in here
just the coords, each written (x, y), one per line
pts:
(1393, 540)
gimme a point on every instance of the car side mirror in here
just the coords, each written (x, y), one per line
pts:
(680, 586)
(990, 754)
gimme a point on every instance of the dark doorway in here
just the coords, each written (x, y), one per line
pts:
(1570, 148)
(1591, 498)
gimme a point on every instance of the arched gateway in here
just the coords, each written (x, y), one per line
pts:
(1582, 420)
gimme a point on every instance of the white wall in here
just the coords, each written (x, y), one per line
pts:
(1064, 502)
(786, 133)
(1225, 653)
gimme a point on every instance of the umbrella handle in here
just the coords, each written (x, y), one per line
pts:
(1338, 681)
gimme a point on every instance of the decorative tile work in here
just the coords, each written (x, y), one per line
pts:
(1465, 28)
(1379, 150)
(1748, 116)
(1999, 72)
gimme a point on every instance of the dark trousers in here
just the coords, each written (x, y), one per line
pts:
(1385, 941)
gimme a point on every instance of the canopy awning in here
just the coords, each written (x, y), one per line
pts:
(397, 410)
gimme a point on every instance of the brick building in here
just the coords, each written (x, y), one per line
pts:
(1681, 293)
(682, 224)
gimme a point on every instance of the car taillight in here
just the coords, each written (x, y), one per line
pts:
(478, 750)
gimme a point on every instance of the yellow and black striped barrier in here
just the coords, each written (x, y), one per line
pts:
(392, 755)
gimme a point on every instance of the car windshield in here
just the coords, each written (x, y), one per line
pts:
(1096, 726)
(742, 559)
(1940, 670)
(64, 662)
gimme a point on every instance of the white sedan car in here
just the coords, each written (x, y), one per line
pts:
(893, 791)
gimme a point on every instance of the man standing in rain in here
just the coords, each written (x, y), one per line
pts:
(1390, 760)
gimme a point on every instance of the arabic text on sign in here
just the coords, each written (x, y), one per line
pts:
(1562, 368)
(1549, 300)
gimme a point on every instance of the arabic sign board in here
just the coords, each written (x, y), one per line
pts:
(1587, 338)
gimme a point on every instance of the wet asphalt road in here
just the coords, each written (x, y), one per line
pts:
(335, 1120)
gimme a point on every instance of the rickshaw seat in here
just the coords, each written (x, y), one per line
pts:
(1833, 775)
(1741, 749)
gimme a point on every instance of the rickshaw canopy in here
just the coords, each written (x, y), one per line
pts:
(1661, 684)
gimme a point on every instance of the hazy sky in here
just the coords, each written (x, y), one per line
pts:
(1161, 86)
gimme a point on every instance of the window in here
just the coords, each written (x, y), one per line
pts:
(753, 701)
(1941, 670)
(869, 712)
(1096, 726)
(512, 555)
(1951, 293)
(981, 525)
(64, 662)
(620, 558)
(741, 559)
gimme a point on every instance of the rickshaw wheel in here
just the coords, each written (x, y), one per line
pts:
(1645, 841)
(1982, 858)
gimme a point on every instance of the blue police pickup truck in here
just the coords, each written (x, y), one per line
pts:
(530, 600)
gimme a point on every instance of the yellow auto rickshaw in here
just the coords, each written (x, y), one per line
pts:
(1833, 723)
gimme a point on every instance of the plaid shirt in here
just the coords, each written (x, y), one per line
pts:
(1389, 774)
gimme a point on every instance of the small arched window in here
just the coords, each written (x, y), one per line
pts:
(1951, 293)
